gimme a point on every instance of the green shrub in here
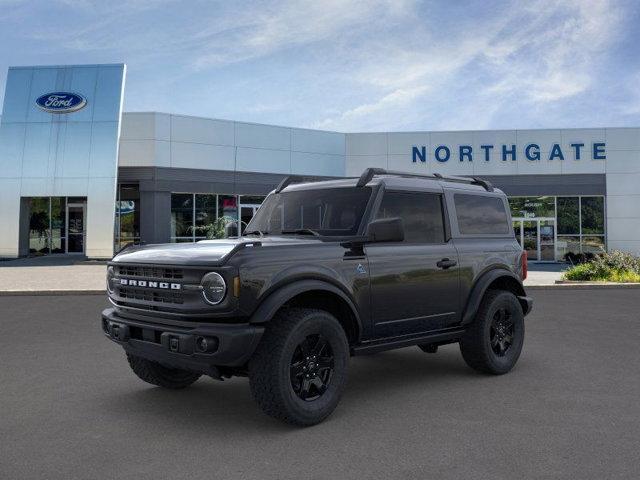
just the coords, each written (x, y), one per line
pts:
(581, 271)
(617, 260)
(614, 266)
(624, 277)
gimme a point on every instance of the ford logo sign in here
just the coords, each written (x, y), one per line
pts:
(61, 102)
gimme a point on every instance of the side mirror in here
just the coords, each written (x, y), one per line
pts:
(386, 230)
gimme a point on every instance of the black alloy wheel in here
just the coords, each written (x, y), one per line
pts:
(299, 370)
(493, 342)
(502, 331)
(311, 367)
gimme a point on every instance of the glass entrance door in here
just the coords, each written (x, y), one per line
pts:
(547, 240)
(75, 227)
(537, 237)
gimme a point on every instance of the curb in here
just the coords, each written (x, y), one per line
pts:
(22, 293)
(583, 286)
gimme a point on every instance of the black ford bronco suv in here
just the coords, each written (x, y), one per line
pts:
(326, 270)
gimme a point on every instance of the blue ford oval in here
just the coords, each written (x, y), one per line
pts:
(61, 102)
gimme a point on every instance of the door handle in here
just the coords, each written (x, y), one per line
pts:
(446, 263)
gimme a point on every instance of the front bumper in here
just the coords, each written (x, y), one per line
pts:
(181, 347)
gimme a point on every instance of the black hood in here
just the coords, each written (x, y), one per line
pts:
(210, 252)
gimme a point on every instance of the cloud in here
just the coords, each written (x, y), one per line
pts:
(550, 58)
(346, 64)
(540, 53)
(401, 97)
(285, 25)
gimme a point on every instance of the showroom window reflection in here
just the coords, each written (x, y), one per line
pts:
(47, 225)
(580, 220)
(581, 223)
(198, 216)
(127, 219)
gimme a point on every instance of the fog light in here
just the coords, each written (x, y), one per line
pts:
(202, 344)
(206, 344)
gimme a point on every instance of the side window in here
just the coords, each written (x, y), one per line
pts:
(481, 215)
(421, 214)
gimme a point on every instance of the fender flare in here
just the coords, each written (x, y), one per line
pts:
(281, 295)
(481, 286)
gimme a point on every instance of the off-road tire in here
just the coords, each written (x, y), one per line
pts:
(157, 374)
(271, 365)
(476, 345)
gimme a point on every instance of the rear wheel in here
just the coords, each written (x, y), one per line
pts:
(160, 375)
(494, 341)
(299, 370)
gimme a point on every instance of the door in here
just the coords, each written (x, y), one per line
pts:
(415, 283)
(537, 237)
(547, 229)
(75, 227)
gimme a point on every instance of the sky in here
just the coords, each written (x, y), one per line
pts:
(351, 65)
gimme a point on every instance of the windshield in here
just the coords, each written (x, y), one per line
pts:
(326, 212)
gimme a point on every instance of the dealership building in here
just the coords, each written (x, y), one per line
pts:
(80, 176)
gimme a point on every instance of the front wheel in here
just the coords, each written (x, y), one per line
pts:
(494, 341)
(299, 370)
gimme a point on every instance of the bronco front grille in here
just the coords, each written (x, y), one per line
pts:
(148, 295)
(150, 272)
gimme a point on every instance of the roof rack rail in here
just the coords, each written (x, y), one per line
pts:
(285, 182)
(369, 173)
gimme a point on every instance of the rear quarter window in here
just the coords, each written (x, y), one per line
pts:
(481, 215)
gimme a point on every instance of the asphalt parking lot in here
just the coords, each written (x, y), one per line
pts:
(70, 407)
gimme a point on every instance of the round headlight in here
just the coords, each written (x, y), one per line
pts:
(110, 274)
(214, 288)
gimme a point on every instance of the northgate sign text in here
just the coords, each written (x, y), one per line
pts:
(531, 152)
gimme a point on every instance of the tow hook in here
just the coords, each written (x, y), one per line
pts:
(119, 332)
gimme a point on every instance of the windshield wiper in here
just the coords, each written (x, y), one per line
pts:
(302, 231)
(255, 232)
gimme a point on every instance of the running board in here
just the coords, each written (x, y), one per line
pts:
(438, 336)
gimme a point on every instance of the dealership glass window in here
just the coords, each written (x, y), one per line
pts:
(182, 213)
(593, 244)
(192, 212)
(528, 207)
(580, 221)
(205, 214)
(567, 244)
(592, 215)
(228, 208)
(48, 229)
(39, 225)
(568, 215)
(127, 220)
(592, 220)
(58, 224)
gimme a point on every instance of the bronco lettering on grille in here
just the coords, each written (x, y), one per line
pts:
(150, 284)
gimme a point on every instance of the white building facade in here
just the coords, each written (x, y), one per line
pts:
(91, 180)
